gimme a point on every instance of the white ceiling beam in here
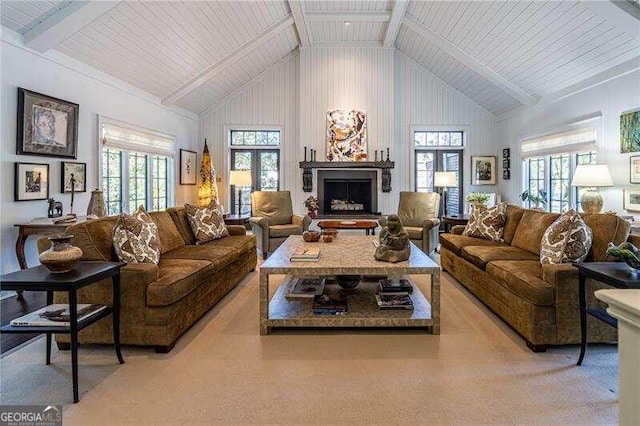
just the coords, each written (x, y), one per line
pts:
(299, 18)
(238, 53)
(397, 13)
(516, 92)
(621, 16)
(64, 24)
(349, 16)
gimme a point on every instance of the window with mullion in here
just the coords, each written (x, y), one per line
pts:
(159, 197)
(537, 167)
(559, 183)
(264, 165)
(112, 180)
(429, 161)
(137, 181)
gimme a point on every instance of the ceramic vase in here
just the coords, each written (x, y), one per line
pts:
(61, 256)
(97, 205)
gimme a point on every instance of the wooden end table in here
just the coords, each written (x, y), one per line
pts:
(236, 219)
(83, 274)
(453, 220)
(369, 226)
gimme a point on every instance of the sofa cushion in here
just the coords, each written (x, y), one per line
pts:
(481, 255)
(454, 243)
(486, 223)
(94, 238)
(514, 214)
(528, 235)
(277, 231)
(206, 222)
(176, 279)
(524, 279)
(135, 238)
(219, 257)
(606, 228)
(241, 243)
(179, 216)
(415, 232)
(168, 233)
(568, 239)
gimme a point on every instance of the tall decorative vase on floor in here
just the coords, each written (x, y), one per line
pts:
(97, 206)
(62, 255)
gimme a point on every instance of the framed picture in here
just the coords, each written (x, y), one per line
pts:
(634, 169)
(188, 161)
(506, 174)
(632, 200)
(483, 170)
(31, 181)
(46, 125)
(506, 153)
(346, 135)
(630, 131)
(506, 163)
(79, 173)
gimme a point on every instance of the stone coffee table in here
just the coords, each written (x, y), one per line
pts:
(346, 255)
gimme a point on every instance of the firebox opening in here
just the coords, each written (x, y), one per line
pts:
(347, 192)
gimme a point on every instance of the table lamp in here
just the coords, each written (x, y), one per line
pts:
(445, 180)
(591, 176)
(240, 178)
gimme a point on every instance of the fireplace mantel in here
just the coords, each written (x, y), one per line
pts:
(308, 166)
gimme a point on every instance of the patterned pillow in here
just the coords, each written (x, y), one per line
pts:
(487, 223)
(568, 239)
(135, 238)
(206, 222)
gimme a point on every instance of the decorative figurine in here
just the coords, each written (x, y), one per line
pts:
(55, 208)
(394, 242)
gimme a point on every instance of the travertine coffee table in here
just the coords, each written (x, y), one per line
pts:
(348, 254)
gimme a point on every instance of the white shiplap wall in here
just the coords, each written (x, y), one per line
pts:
(422, 99)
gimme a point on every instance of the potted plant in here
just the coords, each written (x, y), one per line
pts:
(312, 205)
(535, 198)
(478, 198)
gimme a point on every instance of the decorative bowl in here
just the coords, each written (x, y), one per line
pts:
(327, 238)
(62, 256)
(330, 231)
(311, 236)
(348, 282)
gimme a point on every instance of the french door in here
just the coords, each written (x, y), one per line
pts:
(429, 161)
(265, 174)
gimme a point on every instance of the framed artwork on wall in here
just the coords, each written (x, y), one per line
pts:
(632, 200)
(483, 170)
(630, 131)
(506, 174)
(506, 153)
(31, 181)
(46, 126)
(634, 169)
(346, 135)
(79, 173)
(188, 161)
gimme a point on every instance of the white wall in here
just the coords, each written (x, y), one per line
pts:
(56, 75)
(609, 99)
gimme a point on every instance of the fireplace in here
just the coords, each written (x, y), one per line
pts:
(347, 192)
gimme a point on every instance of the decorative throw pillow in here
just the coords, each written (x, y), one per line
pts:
(135, 238)
(487, 223)
(568, 239)
(206, 222)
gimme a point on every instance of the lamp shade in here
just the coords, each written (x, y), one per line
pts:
(445, 179)
(592, 175)
(240, 178)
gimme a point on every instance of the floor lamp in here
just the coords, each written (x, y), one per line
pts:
(445, 180)
(240, 178)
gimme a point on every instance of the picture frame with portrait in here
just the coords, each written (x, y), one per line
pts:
(631, 200)
(634, 169)
(483, 170)
(31, 181)
(79, 172)
(188, 164)
(47, 126)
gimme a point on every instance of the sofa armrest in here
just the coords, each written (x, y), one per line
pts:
(457, 229)
(304, 221)
(557, 274)
(431, 223)
(237, 230)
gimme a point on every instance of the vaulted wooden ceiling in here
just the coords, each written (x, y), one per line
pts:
(501, 54)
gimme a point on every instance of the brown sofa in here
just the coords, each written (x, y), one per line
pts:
(539, 302)
(160, 302)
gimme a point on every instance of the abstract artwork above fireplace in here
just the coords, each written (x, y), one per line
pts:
(346, 135)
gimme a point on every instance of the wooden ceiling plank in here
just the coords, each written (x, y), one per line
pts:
(617, 16)
(351, 16)
(65, 23)
(505, 85)
(397, 13)
(301, 23)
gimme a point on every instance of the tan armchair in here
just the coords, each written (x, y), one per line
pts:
(419, 213)
(273, 219)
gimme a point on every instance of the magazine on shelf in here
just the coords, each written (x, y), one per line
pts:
(394, 301)
(56, 315)
(305, 254)
(306, 288)
(395, 285)
(334, 304)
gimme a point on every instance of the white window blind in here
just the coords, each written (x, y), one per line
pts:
(572, 141)
(129, 139)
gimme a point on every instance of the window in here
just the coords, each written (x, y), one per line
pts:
(439, 151)
(258, 151)
(135, 168)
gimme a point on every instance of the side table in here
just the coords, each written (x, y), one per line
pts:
(615, 274)
(83, 274)
(453, 220)
(237, 219)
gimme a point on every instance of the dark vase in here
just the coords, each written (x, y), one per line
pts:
(61, 256)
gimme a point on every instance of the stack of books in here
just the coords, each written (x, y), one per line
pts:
(305, 288)
(400, 300)
(56, 315)
(335, 304)
(395, 285)
(304, 254)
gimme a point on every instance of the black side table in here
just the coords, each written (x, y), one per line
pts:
(616, 274)
(83, 274)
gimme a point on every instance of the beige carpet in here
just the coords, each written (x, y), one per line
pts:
(222, 371)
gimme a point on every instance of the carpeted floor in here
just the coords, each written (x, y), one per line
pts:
(478, 371)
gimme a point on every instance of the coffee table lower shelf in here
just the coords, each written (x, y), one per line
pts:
(363, 310)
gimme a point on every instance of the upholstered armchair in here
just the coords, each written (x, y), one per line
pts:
(419, 213)
(273, 219)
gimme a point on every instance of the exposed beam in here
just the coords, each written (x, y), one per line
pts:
(620, 16)
(299, 18)
(65, 23)
(349, 16)
(214, 69)
(516, 92)
(399, 9)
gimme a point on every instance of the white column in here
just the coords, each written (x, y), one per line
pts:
(624, 305)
